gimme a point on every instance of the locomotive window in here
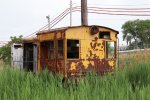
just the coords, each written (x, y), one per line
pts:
(51, 50)
(104, 35)
(60, 49)
(72, 49)
(110, 50)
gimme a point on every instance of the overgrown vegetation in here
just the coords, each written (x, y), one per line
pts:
(132, 58)
(5, 51)
(127, 84)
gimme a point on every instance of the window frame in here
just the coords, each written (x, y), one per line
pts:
(106, 50)
(51, 50)
(67, 49)
(104, 32)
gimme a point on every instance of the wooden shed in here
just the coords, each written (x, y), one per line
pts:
(76, 50)
(17, 55)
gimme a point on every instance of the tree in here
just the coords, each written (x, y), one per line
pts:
(130, 30)
(144, 30)
(15, 39)
(136, 30)
(128, 39)
(5, 51)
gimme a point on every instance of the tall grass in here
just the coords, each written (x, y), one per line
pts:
(1, 64)
(133, 58)
(127, 84)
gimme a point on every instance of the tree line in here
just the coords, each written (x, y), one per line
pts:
(136, 32)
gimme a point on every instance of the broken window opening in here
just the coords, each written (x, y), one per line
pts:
(60, 49)
(51, 50)
(110, 50)
(17, 46)
(104, 35)
(72, 49)
(47, 50)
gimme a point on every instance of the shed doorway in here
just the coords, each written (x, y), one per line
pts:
(30, 57)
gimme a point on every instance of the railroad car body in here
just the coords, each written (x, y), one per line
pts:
(73, 51)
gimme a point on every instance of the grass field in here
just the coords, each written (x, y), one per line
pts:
(130, 59)
(130, 83)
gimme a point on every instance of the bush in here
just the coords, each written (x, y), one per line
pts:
(5, 54)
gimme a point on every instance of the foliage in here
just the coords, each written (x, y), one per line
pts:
(5, 51)
(137, 30)
(15, 39)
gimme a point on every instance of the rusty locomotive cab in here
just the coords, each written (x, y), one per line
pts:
(72, 51)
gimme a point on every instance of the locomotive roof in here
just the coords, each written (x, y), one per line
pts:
(65, 28)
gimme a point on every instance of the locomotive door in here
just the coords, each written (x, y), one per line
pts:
(47, 55)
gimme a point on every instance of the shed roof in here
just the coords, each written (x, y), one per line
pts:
(29, 40)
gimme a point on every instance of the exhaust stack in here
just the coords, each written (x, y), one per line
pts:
(84, 13)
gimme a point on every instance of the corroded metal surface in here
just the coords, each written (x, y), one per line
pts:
(92, 51)
(92, 57)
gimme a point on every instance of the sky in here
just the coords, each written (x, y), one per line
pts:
(23, 17)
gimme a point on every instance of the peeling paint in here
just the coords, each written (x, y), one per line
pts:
(92, 51)
(73, 66)
(111, 63)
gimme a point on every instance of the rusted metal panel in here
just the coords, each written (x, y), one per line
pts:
(46, 37)
(56, 66)
(60, 35)
(39, 57)
(49, 64)
(60, 66)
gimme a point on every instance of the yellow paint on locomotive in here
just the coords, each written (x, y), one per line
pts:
(92, 49)
(111, 64)
(73, 66)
